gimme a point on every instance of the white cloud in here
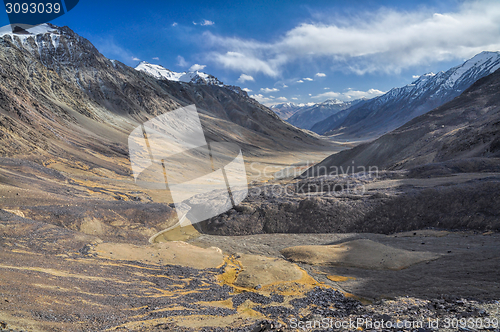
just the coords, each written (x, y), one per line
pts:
(135, 58)
(293, 98)
(174, 24)
(204, 22)
(196, 67)
(181, 61)
(245, 62)
(285, 86)
(349, 94)
(261, 99)
(246, 89)
(207, 22)
(415, 76)
(268, 101)
(320, 74)
(326, 88)
(300, 81)
(381, 41)
(156, 58)
(308, 79)
(244, 77)
(269, 90)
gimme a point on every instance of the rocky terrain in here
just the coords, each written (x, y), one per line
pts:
(56, 279)
(385, 203)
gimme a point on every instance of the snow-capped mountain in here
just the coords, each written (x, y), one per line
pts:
(286, 110)
(391, 110)
(460, 136)
(160, 72)
(308, 116)
(452, 82)
(24, 34)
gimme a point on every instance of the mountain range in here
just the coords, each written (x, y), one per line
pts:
(398, 106)
(459, 136)
(362, 119)
(162, 73)
(308, 116)
(286, 110)
(72, 95)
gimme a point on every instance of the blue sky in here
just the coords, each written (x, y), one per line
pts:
(298, 51)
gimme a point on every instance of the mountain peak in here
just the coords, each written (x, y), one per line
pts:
(157, 71)
(37, 30)
(160, 72)
(284, 105)
(333, 101)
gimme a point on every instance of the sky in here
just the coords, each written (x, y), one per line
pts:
(293, 51)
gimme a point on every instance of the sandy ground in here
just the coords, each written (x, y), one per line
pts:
(467, 263)
(363, 254)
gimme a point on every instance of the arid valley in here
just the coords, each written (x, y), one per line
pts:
(384, 210)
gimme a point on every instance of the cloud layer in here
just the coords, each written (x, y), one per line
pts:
(244, 77)
(350, 94)
(269, 90)
(197, 67)
(382, 41)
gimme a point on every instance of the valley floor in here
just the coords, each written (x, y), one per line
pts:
(75, 256)
(58, 280)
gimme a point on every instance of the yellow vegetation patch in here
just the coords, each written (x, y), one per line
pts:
(228, 304)
(266, 275)
(246, 308)
(340, 278)
(233, 267)
(16, 212)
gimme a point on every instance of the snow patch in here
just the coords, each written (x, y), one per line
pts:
(160, 72)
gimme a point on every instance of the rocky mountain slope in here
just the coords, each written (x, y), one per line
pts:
(57, 87)
(399, 105)
(455, 134)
